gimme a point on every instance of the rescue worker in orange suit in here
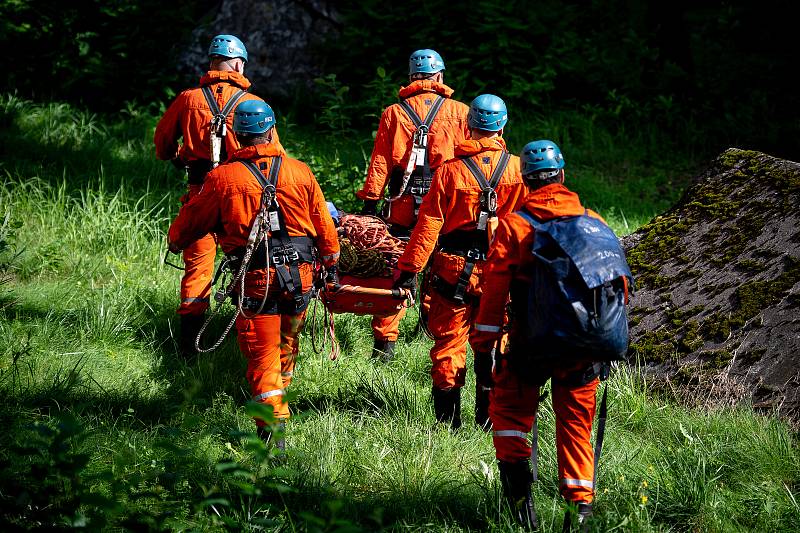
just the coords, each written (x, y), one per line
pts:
(456, 218)
(189, 117)
(301, 233)
(515, 391)
(406, 173)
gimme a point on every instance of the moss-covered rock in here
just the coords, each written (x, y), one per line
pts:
(718, 279)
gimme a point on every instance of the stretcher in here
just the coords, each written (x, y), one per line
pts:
(366, 296)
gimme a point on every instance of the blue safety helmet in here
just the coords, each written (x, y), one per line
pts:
(253, 117)
(227, 46)
(541, 156)
(487, 112)
(425, 61)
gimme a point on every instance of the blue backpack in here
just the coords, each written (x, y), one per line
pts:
(578, 293)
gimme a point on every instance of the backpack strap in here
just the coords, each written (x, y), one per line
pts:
(284, 255)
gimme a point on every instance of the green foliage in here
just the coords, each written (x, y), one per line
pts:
(107, 429)
(631, 64)
(96, 52)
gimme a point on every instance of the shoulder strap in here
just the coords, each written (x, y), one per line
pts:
(210, 100)
(257, 173)
(411, 113)
(499, 170)
(432, 112)
(496, 174)
(476, 171)
(230, 104)
(529, 218)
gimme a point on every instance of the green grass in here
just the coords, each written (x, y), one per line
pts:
(107, 428)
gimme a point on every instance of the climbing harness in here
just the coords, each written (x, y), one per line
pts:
(268, 220)
(472, 245)
(416, 179)
(218, 125)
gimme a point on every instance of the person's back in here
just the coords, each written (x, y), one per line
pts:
(518, 369)
(191, 117)
(414, 137)
(456, 219)
(260, 182)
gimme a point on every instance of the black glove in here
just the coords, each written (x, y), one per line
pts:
(406, 280)
(370, 208)
(332, 275)
(483, 368)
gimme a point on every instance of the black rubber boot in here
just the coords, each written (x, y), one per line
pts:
(447, 406)
(516, 479)
(482, 407)
(276, 436)
(580, 510)
(190, 327)
(383, 350)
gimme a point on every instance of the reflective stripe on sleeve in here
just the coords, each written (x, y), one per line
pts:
(192, 300)
(287, 374)
(510, 433)
(488, 328)
(330, 257)
(268, 394)
(577, 483)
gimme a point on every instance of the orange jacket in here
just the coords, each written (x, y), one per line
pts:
(231, 197)
(394, 137)
(510, 257)
(453, 203)
(189, 117)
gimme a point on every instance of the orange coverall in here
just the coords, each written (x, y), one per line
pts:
(227, 205)
(453, 204)
(188, 117)
(390, 155)
(514, 401)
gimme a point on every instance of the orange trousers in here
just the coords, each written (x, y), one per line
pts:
(270, 343)
(450, 324)
(387, 328)
(512, 410)
(198, 260)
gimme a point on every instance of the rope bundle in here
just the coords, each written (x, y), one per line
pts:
(367, 247)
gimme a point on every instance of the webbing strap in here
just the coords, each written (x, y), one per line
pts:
(497, 173)
(432, 112)
(418, 190)
(230, 104)
(488, 208)
(288, 272)
(212, 102)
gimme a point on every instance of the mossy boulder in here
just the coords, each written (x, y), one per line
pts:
(716, 313)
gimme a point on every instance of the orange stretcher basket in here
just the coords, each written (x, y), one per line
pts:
(366, 296)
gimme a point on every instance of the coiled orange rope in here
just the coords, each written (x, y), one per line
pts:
(368, 249)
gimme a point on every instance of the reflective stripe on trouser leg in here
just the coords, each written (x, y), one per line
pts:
(512, 408)
(386, 328)
(198, 259)
(291, 326)
(449, 323)
(260, 342)
(574, 409)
